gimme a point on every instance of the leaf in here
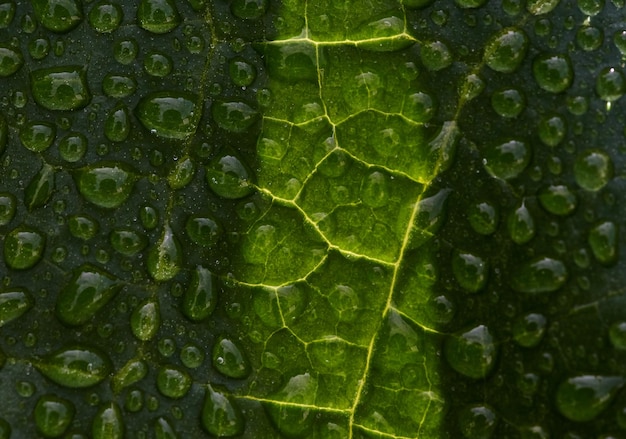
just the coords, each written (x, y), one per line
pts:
(392, 219)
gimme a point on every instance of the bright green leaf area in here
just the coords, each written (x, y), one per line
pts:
(312, 219)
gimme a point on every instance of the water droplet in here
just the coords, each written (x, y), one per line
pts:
(38, 48)
(528, 329)
(473, 86)
(477, 421)
(508, 103)
(7, 12)
(540, 7)
(106, 184)
(89, 290)
(521, 225)
(229, 360)
(242, 73)
(249, 9)
(345, 302)
(23, 247)
(471, 353)
(553, 73)
(220, 414)
(584, 397)
(127, 241)
(145, 320)
(134, 401)
(203, 230)
(182, 174)
(228, 177)
(83, 227)
(53, 415)
(483, 217)
(506, 50)
(539, 275)
(470, 3)
(40, 187)
(172, 115)
(58, 15)
(590, 7)
(61, 88)
(149, 217)
(13, 304)
(165, 258)
(108, 423)
(157, 64)
(589, 38)
(552, 130)
(117, 124)
(191, 356)
(436, 56)
(118, 86)
(4, 133)
(470, 271)
(73, 147)
(11, 60)
(125, 51)
(603, 242)
(234, 116)
(173, 382)
(129, 374)
(558, 199)
(105, 16)
(158, 16)
(419, 107)
(610, 84)
(507, 160)
(200, 298)
(375, 190)
(37, 136)
(8, 206)
(76, 366)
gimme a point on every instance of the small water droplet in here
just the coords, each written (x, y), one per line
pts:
(229, 359)
(589, 38)
(53, 415)
(436, 55)
(558, 200)
(172, 115)
(125, 51)
(173, 381)
(145, 320)
(8, 206)
(540, 7)
(37, 136)
(11, 60)
(165, 258)
(117, 124)
(508, 103)
(528, 330)
(521, 225)
(105, 16)
(191, 356)
(470, 271)
(249, 9)
(603, 241)
(23, 247)
(539, 275)
(158, 16)
(553, 73)
(106, 184)
(228, 177)
(610, 84)
(108, 423)
(477, 421)
(13, 304)
(483, 217)
(132, 372)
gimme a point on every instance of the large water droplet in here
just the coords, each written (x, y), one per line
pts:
(553, 73)
(173, 382)
(419, 107)
(583, 398)
(11, 60)
(200, 298)
(172, 115)
(477, 421)
(182, 174)
(471, 353)
(108, 423)
(89, 290)
(158, 16)
(61, 88)
(506, 50)
(610, 84)
(73, 147)
(13, 304)
(603, 241)
(76, 366)
(242, 73)
(593, 169)
(23, 247)
(528, 329)
(228, 177)
(521, 225)
(229, 359)
(106, 184)
(203, 230)
(508, 103)
(507, 160)
(470, 271)
(145, 320)
(539, 275)
(558, 199)
(58, 15)
(53, 415)
(220, 414)
(118, 86)
(234, 116)
(165, 258)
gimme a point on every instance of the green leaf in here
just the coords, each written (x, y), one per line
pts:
(312, 219)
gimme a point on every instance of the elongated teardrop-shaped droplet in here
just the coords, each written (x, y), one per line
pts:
(53, 415)
(76, 366)
(521, 225)
(603, 242)
(132, 372)
(145, 320)
(294, 421)
(108, 423)
(61, 88)
(40, 187)
(23, 247)
(165, 258)
(106, 184)
(583, 398)
(173, 382)
(201, 296)
(13, 304)
(229, 359)
(220, 415)
(58, 15)
(539, 275)
(88, 291)
(163, 429)
(117, 124)
(182, 174)
(172, 115)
